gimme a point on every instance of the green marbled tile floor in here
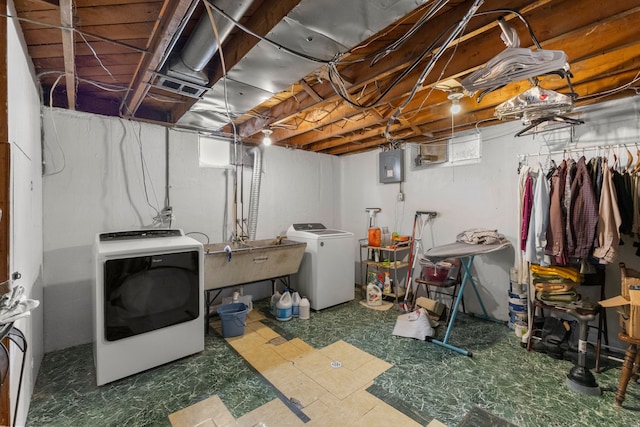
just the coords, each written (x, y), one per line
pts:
(425, 382)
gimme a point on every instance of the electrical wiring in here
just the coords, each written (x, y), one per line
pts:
(399, 42)
(341, 90)
(238, 143)
(200, 233)
(264, 39)
(62, 27)
(108, 87)
(533, 37)
(55, 130)
(522, 18)
(433, 87)
(145, 172)
(334, 74)
(605, 93)
(222, 62)
(458, 30)
(378, 36)
(95, 55)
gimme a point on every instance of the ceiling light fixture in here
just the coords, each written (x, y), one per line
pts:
(267, 139)
(455, 102)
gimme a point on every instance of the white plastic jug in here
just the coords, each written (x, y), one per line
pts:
(305, 308)
(274, 300)
(283, 307)
(295, 304)
(374, 295)
(387, 283)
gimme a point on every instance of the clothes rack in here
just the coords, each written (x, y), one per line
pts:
(523, 157)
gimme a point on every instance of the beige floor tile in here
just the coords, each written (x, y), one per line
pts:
(384, 415)
(313, 363)
(372, 369)
(351, 357)
(360, 402)
(209, 412)
(264, 358)
(255, 316)
(333, 416)
(316, 409)
(274, 413)
(289, 350)
(341, 382)
(294, 384)
(302, 345)
(246, 342)
(264, 331)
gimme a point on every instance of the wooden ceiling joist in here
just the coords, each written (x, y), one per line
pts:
(68, 48)
(127, 41)
(171, 17)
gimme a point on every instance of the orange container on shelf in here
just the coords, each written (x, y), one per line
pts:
(375, 236)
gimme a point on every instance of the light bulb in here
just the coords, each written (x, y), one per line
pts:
(267, 139)
(455, 102)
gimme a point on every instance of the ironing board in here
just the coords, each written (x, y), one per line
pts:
(466, 252)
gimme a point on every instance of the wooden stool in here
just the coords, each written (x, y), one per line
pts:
(629, 367)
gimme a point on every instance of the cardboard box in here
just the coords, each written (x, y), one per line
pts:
(627, 304)
(434, 307)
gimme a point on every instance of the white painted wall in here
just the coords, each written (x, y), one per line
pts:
(93, 183)
(26, 209)
(100, 188)
(484, 194)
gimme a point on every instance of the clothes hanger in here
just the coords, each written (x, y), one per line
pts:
(561, 122)
(629, 159)
(636, 168)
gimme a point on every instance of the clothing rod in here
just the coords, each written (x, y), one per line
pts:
(570, 150)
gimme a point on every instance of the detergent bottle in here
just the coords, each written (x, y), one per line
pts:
(295, 304)
(274, 300)
(283, 307)
(374, 294)
(387, 283)
(305, 308)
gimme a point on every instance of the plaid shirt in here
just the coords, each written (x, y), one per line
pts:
(583, 213)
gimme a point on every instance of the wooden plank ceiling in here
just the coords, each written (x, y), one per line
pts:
(113, 49)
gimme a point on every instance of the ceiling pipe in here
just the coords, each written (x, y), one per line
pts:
(188, 64)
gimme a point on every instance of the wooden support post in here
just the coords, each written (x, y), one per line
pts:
(5, 174)
(69, 51)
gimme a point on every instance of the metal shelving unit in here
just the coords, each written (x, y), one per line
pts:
(397, 260)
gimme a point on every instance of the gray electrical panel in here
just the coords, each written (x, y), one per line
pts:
(391, 166)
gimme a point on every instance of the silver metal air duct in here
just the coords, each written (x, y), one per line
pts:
(202, 43)
(254, 197)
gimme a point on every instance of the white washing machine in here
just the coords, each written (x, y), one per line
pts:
(148, 301)
(327, 272)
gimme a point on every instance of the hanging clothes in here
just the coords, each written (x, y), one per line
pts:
(583, 213)
(570, 176)
(556, 232)
(522, 266)
(609, 220)
(635, 196)
(537, 236)
(622, 184)
(595, 172)
(527, 205)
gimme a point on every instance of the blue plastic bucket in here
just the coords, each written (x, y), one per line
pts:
(233, 318)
